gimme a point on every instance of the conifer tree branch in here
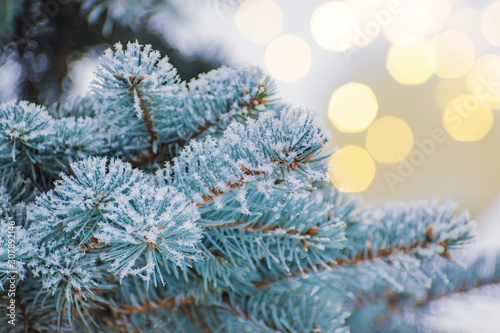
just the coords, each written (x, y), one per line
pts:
(463, 288)
(381, 230)
(242, 102)
(276, 148)
(483, 271)
(365, 256)
(227, 304)
(406, 309)
(135, 84)
(159, 304)
(237, 233)
(151, 128)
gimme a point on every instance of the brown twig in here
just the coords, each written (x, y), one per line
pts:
(366, 256)
(161, 304)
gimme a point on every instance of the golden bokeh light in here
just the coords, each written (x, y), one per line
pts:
(483, 80)
(411, 64)
(351, 169)
(490, 23)
(352, 107)
(467, 119)
(288, 58)
(410, 24)
(334, 26)
(259, 20)
(454, 53)
(389, 140)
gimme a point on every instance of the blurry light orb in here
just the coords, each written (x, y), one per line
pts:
(351, 169)
(373, 16)
(389, 140)
(483, 80)
(352, 107)
(288, 58)
(411, 64)
(411, 24)
(490, 23)
(454, 54)
(467, 119)
(439, 11)
(259, 20)
(468, 21)
(334, 26)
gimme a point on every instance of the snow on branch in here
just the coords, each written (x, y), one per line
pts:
(278, 151)
(107, 212)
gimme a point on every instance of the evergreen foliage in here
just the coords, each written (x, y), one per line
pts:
(156, 205)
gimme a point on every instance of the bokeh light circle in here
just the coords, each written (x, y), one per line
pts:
(410, 24)
(352, 107)
(490, 23)
(334, 26)
(259, 20)
(454, 54)
(288, 58)
(483, 80)
(439, 11)
(351, 169)
(411, 64)
(467, 119)
(371, 20)
(389, 140)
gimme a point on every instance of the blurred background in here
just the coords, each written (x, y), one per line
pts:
(409, 88)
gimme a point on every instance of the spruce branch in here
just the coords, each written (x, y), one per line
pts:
(221, 95)
(81, 106)
(137, 89)
(278, 147)
(33, 141)
(14, 240)
(238, 227)
(123, 13)
(153, 110)
(107, 213)
(387, 309)
(24, 132)
(420, 229)
(283, 232)
(481, 272)
(277, 308)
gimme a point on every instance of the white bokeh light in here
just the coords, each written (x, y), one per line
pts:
(288, 58)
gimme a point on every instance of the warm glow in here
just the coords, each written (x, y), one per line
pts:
(411, 63)
(454, 54)
(467, 119)
(389, 140)
(410, 25)
(490, 23)
(351, 169)
(467, 21)
(372, 17)
(439, 11)
(448, 89)
(259, 20)
(352, 107)
(288, 58)
(482, 80)
(334, 26)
